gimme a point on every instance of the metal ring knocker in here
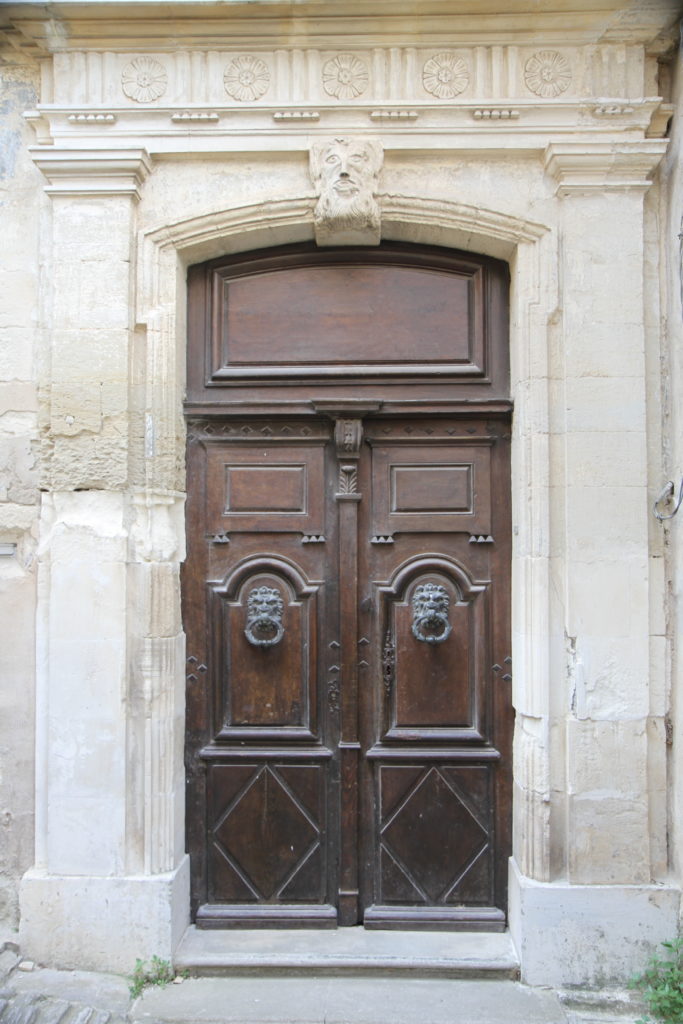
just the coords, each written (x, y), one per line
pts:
(430, 614)
(264, 617)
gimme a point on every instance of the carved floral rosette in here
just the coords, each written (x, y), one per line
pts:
(345, 76)
(445, 76)
(246, 78)
(547, 74)
(144, 80)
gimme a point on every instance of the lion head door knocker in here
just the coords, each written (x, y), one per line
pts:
(430, 613)
(264, 617)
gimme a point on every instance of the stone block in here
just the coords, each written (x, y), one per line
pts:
(92, 228)
(92, 294)
(17, 352)
(610, 677)
(588, 935)
(602, 349)
(75, 408)
(605, 523)
(607, 802)
(18, 473)
(600, 404)
(604, 459)
(608, 599)
(90, 462)
(89, 356)
(103, 924)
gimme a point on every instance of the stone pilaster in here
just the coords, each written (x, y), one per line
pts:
(108, 699)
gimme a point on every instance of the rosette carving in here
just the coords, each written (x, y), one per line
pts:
(445, 75)
(144, 79)
(345, 77)
(246, 78)
(547, 74)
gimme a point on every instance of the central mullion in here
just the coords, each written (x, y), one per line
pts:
(347, 439)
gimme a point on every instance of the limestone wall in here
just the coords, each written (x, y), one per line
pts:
(21, 208)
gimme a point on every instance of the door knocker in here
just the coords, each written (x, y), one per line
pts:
(264, 617)
(430, 613)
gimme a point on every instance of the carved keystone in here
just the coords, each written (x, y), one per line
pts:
(345, 174)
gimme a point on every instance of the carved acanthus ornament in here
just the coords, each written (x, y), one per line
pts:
(348, 435)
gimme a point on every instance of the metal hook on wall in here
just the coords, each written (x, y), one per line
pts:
(667, 495)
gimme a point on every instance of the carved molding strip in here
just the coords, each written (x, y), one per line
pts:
(92, 118)
(198, 116)
(495, 114)
(296, 115)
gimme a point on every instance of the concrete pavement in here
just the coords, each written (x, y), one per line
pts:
(45, 996)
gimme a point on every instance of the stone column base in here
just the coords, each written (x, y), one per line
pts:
(103, 924)
(587, 935)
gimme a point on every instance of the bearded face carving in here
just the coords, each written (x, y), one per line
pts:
(346, 174)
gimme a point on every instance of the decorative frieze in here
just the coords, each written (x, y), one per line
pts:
(403, 75)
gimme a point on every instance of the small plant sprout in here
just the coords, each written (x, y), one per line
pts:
(661, 984)
(156, 972)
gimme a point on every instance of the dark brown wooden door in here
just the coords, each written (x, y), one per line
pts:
(346, 604)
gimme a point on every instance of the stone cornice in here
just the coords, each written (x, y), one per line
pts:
(83, 172)
(59, 26)
(581, 168)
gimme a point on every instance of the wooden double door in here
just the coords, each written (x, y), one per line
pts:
(346, 605)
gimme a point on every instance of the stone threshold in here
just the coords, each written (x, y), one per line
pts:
(352, 951)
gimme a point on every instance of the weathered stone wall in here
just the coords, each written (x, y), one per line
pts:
(672, 440)
(21, 203)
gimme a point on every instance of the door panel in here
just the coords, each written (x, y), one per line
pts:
(354, 739)
(437, 762)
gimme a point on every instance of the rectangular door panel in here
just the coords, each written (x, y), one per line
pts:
(265, 487)
(265, 653)
(266, 832)
(432, 487)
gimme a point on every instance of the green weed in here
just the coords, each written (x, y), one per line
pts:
(157, 972)
(661, 984)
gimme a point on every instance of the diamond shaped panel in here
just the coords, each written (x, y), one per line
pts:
(434, 836)
(267, 833)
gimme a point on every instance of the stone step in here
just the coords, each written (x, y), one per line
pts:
(352, 951)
